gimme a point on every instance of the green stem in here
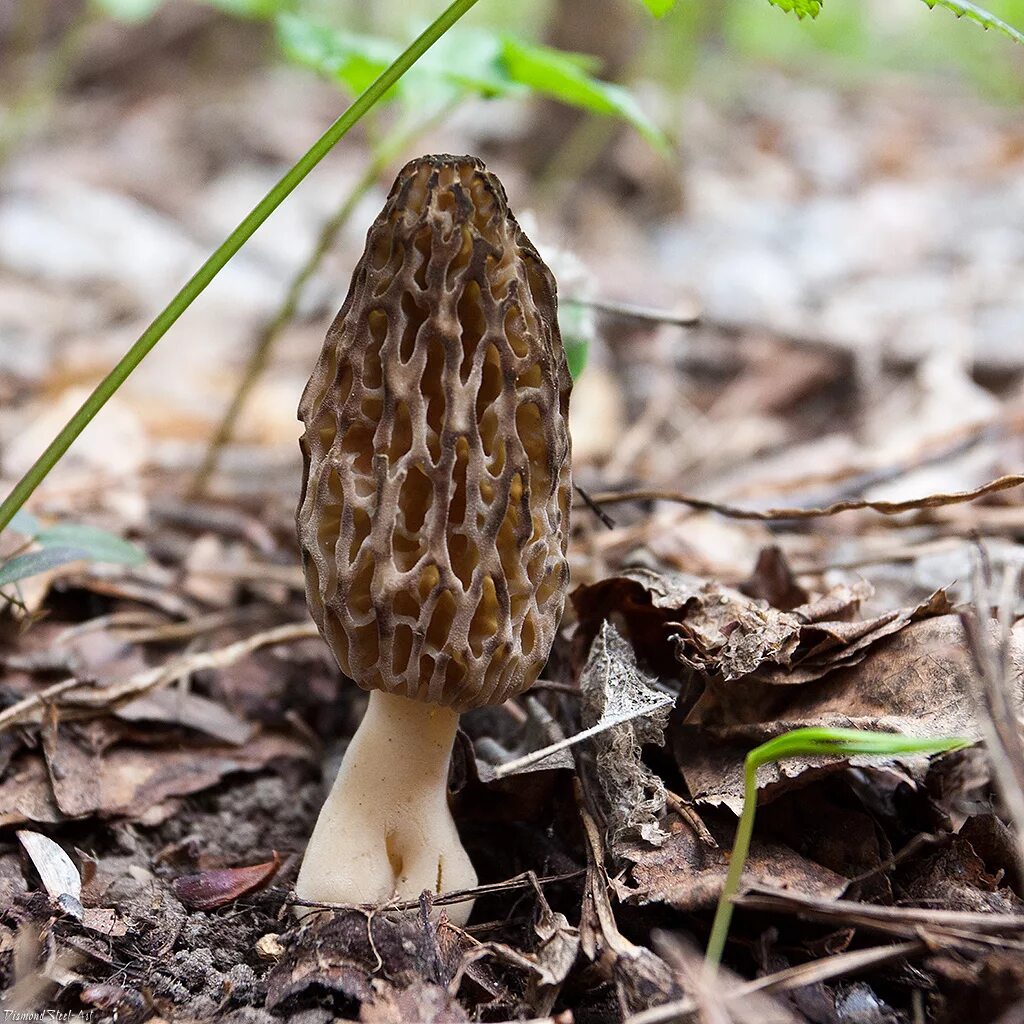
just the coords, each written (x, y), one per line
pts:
(206, 273)
(804, 742)
(737, 859)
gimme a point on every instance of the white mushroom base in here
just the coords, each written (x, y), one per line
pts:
(385, 832)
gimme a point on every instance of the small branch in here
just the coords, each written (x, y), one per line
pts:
(527, 880)
(104, 699)
(501, 771)
(627, 311)
(887, 508)
(812, 973)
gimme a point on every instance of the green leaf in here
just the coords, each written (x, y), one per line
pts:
(564, 77)
(128, 10)
(92, 543)
(462, 63)
(25, 523)
(64, 543)
(35, 562)
(801, 8)
(576, 353)
(845, 742)
(971, 11)
(659, 8)
(256, 9)
(352, 60)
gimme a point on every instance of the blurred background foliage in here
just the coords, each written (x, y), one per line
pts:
(850, 40)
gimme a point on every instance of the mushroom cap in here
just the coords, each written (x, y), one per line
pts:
(434, 514)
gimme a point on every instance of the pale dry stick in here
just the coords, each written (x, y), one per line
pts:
(628, 311)
(887, 508)
(501, 771)
(936, 448)
(116, 621)
(255, 572)
(903, 921)
(813, 973)
(996, 705)
(895, 554)
(16, 712)
(110, 697)
(188, 629)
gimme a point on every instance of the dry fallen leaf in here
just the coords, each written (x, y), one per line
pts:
(614, 688)
(688, 875)
(915, 682)
(57, 871)
(217, 887)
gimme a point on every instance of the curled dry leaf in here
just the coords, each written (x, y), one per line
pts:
(641, 978)
(915, 682)
(559, 944)
(208, 890)
(684, 619)
(720, 632)
(614, 688)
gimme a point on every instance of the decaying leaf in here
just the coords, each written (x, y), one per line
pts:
(559, 944)
(614, 688)
(220, 886)
(641, 978)
(686, 874)
(421, 1001)
(914, 682)
(134, 779)
(339, 955)
(706, 626)
(721, 633)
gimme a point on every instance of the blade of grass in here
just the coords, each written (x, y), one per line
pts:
(802, 743)
(206, 273)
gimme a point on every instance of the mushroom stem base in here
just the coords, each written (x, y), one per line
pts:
(385, 832)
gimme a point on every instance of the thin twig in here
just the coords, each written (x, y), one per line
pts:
(791, 978)
(995, 699)
(628, 311)
(109, 698)
(887, 508)
(524, 881)
(511, 767)
(898, 920)
(688, 814)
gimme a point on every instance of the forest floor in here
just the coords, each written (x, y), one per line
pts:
(857, 258)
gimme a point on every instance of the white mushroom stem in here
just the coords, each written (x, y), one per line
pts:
(385, 832)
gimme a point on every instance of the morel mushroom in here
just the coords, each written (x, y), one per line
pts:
(434, 515)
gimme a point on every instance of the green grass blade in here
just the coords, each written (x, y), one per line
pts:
(802, 743)
(202, 278)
